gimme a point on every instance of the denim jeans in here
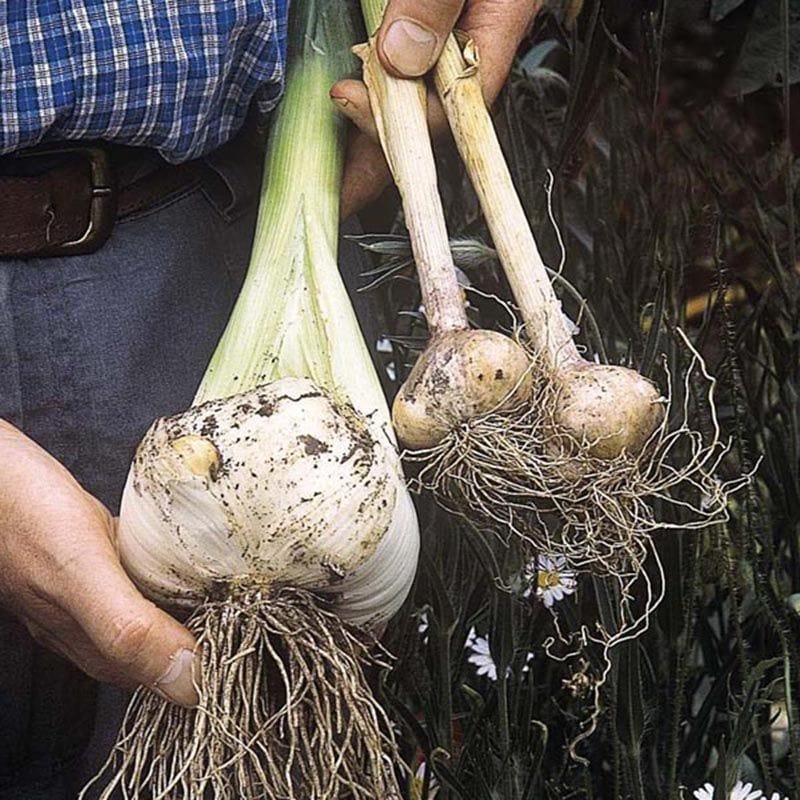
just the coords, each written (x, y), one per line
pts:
(92, 349)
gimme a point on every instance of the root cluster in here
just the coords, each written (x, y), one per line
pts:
(515, 470)
(519, 473)
(285, 713)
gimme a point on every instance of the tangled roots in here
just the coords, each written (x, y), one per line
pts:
(285, 712)
(518, 471)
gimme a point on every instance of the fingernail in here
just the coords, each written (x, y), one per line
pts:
(342, 102)
(409, 47)
(177, 683)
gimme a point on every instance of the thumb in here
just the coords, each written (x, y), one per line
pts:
(412, 34)
(141, 643)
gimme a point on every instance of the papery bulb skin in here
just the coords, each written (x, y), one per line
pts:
(460, 375)
(281, 485)
(610, 409)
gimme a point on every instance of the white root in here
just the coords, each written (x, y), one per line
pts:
(286, 710)
(280, 518)
(511, 470)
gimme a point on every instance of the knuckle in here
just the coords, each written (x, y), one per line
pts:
(445, 7)
(127, 639)
(40, 635)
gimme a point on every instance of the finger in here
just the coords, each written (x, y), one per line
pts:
(412, 34)
(366, 174)
(64, 637)
(498, 27)
(141, 643)
(352, 99)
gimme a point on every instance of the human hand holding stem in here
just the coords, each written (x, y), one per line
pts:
(409, 40)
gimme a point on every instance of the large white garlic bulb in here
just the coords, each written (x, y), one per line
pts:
(280, 485)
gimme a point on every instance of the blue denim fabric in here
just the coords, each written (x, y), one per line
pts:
(92, 349)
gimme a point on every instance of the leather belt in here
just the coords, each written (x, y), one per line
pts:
(64, 200)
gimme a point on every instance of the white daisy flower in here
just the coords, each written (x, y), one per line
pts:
(744, 791)
(740, 791)
(480, 655)
(552, 579)
(418, 782)
(423, 625)
(526, 667)
(383, 344)
(705, 792)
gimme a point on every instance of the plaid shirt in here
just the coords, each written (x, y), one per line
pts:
(176, 75)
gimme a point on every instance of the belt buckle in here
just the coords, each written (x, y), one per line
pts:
(103, 208)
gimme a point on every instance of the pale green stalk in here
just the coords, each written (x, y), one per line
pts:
(294, 317)
(372, 11)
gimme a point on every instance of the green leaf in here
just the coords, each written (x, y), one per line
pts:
(439, 762)
(630, 706)
(761, 62)
(721, 8)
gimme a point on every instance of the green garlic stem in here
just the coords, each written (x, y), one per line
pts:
(293, 317)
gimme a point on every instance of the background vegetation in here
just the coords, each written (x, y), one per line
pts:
(668, 129)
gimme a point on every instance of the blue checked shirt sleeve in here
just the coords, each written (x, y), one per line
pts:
(175, 75)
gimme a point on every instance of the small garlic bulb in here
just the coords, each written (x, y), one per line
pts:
(280, 485)
(460, 374)
(612, 409)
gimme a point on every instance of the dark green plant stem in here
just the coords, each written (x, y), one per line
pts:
(442, 634)
(502, 713)
(616, 761)
(678, 689)
(445, 732)
(741, 544)
(659, 57)
(787, 111)
(755, 523)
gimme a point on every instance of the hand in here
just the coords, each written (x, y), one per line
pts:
(59, 573)
(409, 41)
